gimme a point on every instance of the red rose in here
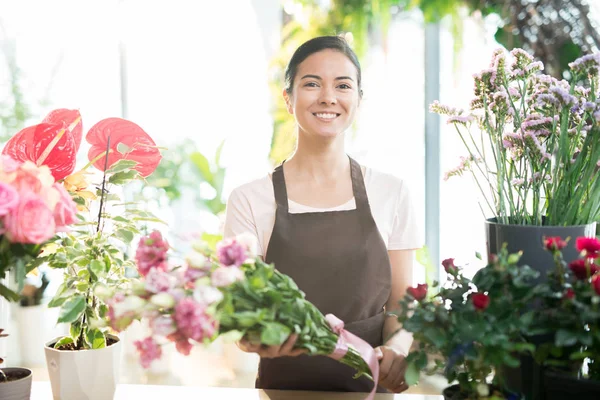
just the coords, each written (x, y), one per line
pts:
(580, 268)
(418, 292)
(596, 283)
(569, 294)
(449, 266)
(554, 243)
(480, 301)
(591, 246)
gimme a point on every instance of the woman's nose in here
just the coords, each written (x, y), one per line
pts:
(327, 97)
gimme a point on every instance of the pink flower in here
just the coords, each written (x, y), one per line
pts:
(569, 294)
(191, 275)
(157, 281)
(9, 198)
(183, 346)
(65, 210)
(591, 246)
(225, 276)
(163, 325)
(596, 283)
(149, 351)
(31, 222)
(192, 320)
(31, 178)
(449, 266)
(231, 252)
(419, 292)
(152, 253)
(554, 243)
(8, 164)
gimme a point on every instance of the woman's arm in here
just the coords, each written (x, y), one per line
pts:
(397, 342)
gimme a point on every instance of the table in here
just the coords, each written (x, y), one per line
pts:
(42, 391)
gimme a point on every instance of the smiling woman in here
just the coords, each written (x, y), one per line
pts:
(344, 233)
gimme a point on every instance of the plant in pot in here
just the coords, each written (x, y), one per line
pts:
(15, 383)
(533, 148)
(85, 364)
(470, 328)
(569, 311)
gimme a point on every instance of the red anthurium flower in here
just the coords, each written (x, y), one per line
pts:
(69, 118)
(449, 266)
(418, 292)
(127, 141)
(596, 283)
(591, 246)
(580, 268)
(480, 301)
(555, 243)
(49, 144)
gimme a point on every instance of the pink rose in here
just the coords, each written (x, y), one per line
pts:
(163, 325)
(152, 253)
(158, 281)
(149, 351)
(31, 178)
(225, 276)
(31, 222)
(9, 198)
(192, 320)
(8, 168)
(65, 210)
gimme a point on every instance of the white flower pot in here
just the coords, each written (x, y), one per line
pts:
(36, 326)
(19, 389)
(84, 374)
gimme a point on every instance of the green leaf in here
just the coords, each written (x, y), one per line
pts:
(436, 336)
(96, 339)
(218, 153)
(211, 240)
(97, 268)
(63, 341)
(202, 166)
(121, 165)
(412, 374)
(75, 330)
(124, 235)
(72, 309)
(123, 177)
(274, 334)
(8, 294)
(564, 338)
(60, 298)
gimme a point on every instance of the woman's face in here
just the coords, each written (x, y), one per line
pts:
(325, 94)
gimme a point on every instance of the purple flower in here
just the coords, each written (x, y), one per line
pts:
(460, 119)
(149, 351)
(152, 253)
(588, 106)
(597, 116)
(563, 95)
(588, 64)
(231, 252)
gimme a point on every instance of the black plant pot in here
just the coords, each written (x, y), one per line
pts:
(529, 239)
(561, 386)
(453, 393)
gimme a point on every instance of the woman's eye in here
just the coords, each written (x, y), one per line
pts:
(344, 86)
(310, 84)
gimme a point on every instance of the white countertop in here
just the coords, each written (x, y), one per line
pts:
(43, 391)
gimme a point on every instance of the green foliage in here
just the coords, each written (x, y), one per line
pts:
(94, 257)
(467, 341)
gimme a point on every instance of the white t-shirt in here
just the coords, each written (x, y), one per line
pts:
(251, 209)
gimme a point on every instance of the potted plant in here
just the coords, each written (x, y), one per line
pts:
(15, 383)
(85, 364)
(569, 312)
(533, 145)
(470, 328)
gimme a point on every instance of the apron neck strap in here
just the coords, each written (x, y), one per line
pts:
(358, 187)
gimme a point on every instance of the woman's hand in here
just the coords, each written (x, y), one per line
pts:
(392, 367)
(285, 349)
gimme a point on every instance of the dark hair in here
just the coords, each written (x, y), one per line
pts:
(315, 45)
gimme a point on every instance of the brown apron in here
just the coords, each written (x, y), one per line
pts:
(339, 260)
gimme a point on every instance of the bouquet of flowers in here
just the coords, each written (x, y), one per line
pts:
(230, 291)
(471, 328)
(532, 140)
(33, 208)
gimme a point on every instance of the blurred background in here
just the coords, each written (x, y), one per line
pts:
(204, 79)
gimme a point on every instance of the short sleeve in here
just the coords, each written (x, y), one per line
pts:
(405, 234)
(239, 218)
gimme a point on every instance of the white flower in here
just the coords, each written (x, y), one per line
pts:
(483, 389)
(163, 299)
(250, 242)
(163, 325)
(103, 292)
(207, 294)
(197, 260)
(225, 276)
(130, 304)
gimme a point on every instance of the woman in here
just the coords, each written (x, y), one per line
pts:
(346, 234)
